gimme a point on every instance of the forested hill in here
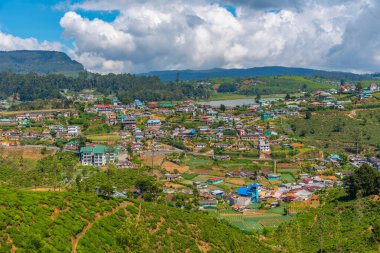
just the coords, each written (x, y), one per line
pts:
(172, 75)
(42, 62)
(33, 86)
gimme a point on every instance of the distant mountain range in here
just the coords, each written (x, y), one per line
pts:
(43, 62)
(188, 75)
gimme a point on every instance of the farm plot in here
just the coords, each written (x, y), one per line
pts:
(288, 178)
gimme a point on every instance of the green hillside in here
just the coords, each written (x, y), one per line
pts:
(64, 222)
(340, 130)
(25, 61)
(338, 226)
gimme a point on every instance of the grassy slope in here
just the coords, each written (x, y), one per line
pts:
(338, 226)
(48, 221)
(319, 129)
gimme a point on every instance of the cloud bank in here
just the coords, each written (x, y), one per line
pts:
(9, 42)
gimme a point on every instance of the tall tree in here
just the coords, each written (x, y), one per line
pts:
(362, 182)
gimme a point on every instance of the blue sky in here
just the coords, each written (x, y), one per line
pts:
(31, 18)
(143, 35)
(40, 19)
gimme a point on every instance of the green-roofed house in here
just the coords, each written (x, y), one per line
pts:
(98, 155)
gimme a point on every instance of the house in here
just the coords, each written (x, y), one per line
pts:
(73, 130)
(201, 145)
(214, 180)
(217, 193)
(153, 123)
(222, 157)
(126, 164)
(374, 87)
(103, 108)
(319, 168)
(240, 201)
(128, 123)
(345, 88)
(98, 155)
(172, 177)
(303, 194)
(138, 104)
(112, 119)
(266, 116)
(208, 203)
(71, 145)
(374, 162)
(272, 177)
(264, 146)
(153, 105)
(57, 128)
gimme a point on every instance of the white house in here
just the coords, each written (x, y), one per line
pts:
(73, 130)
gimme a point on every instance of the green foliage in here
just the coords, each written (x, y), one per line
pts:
(362, 182)
(227, 87)
(48, 222)
(132, 236)
(338, 132)
(126, 86)
(336, 226)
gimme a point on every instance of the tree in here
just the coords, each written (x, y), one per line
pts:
(53, 133)
(258, 97)
(106, 190)
(308, 115)
(364, 181)
(222, 107)
(287, 97)
(358, 87)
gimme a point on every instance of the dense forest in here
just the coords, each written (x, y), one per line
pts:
(126, 86)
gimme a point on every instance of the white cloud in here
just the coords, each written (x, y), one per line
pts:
(175, 34)
(9, 42)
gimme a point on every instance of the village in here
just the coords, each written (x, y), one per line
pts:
(238, 162)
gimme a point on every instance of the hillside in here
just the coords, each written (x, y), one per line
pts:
(171, 75)
(338, 226)
(38, 62)
(64, 222)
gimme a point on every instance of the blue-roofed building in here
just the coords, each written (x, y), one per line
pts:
(153, 122)
(138, 104)
(272, 177)
(251, 191)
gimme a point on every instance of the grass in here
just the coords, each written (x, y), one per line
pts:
(189, 176)
(288, 178)
(249, 224)
(104, 137)
(198, 162)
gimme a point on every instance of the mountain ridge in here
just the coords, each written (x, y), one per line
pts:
(191, 75)
(38, 61)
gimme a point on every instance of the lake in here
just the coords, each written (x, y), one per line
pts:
(237, 102)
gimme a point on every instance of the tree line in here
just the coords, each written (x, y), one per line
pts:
(28, 87)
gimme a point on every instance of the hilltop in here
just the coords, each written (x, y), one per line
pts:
(172, 75)
(43, 62)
